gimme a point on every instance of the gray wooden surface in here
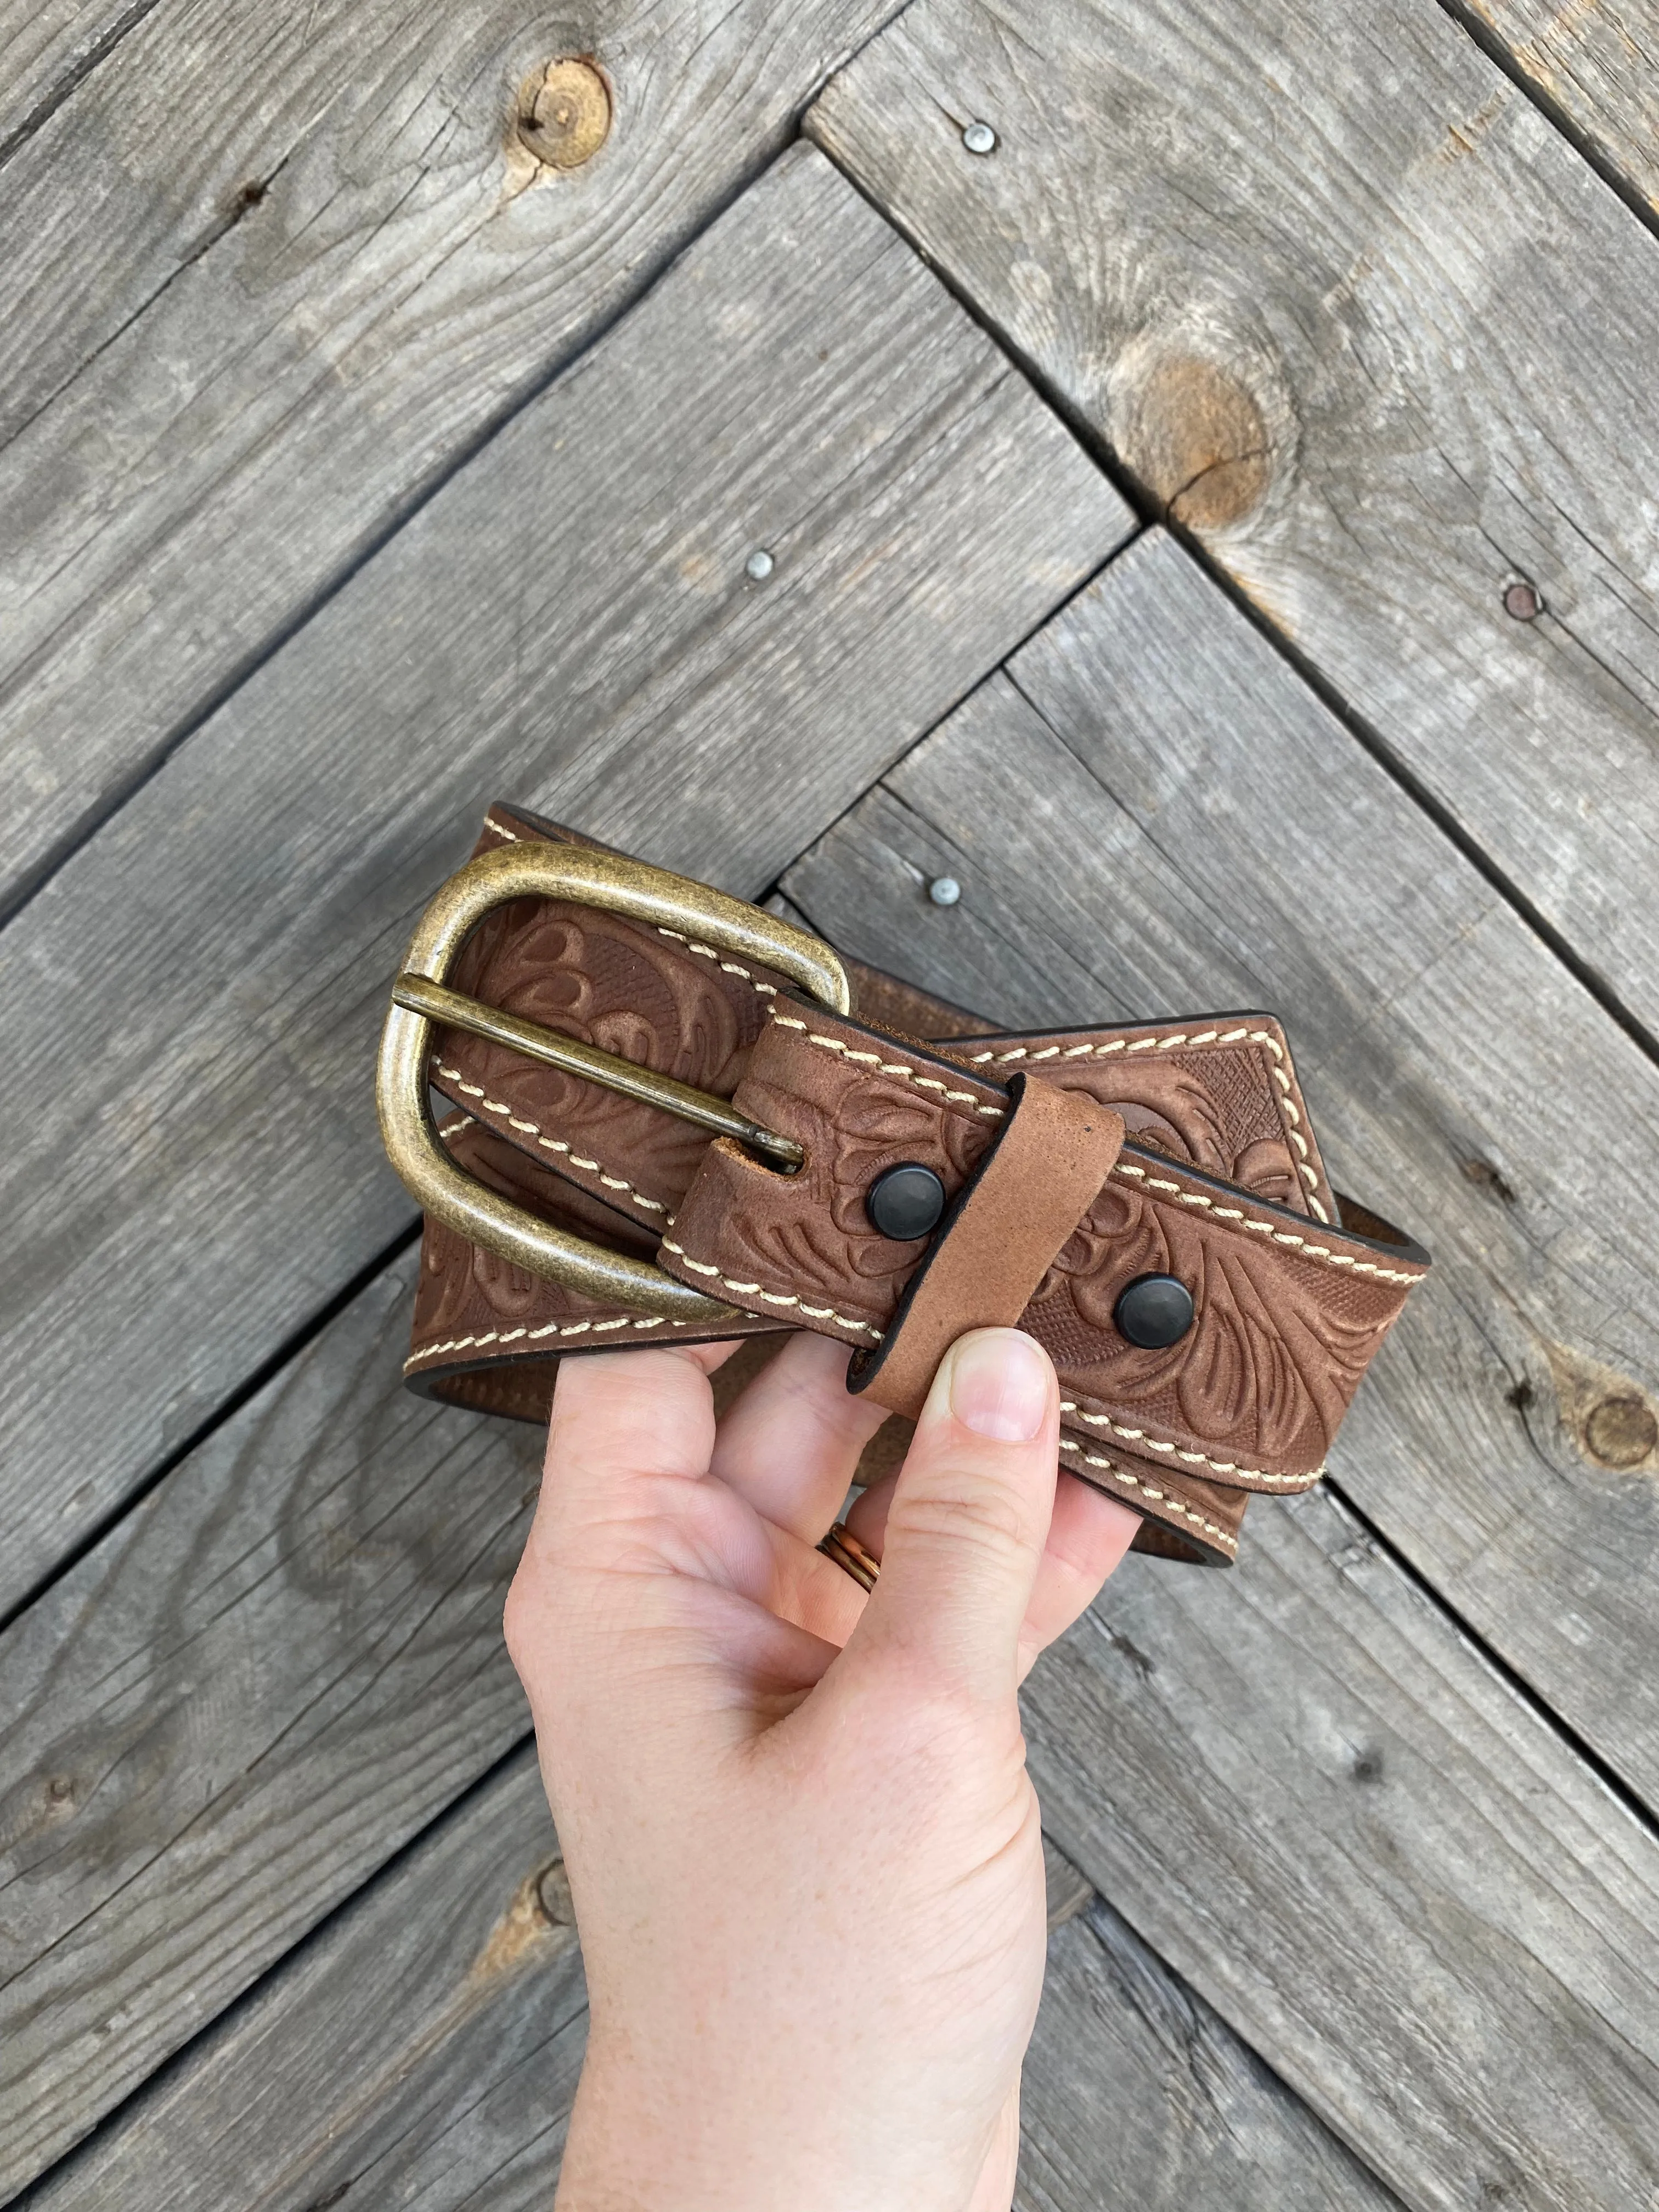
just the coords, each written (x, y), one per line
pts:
(45, 46)
(1347, 306)
(1297, 1781)
(336, 464)
(1596, 63)
(270, 1675)
(1116, 814)
(1303, 1789)
(226, 940)
(422, 2050)
(272, 270)
(1136, 2094)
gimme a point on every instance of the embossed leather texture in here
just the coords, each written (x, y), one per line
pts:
(1217, 1181)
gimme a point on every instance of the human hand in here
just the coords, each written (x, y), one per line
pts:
(808, 1879)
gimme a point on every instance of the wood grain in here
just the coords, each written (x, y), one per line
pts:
(1359, 319)
(1135, 2093)
(569, 624)
(273, 1673)
(1154, 818)
(1596, 62)
(271, 271)
(45, 44)
(1306, 1791)
(421, 2049)
(1295, 1779)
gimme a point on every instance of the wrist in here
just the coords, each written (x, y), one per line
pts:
(641, 2142)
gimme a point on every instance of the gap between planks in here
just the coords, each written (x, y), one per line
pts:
(280, 308)
(1392, 373)
(237, 920)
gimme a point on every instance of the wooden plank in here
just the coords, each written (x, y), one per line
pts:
(1596, 63)
(273, 1673)
(271, 271)
(1344, 304)
(569, 623)
(44, 45)
(1136, 2093)
(1385, 1871)
(1296, 1779)
(1119, 823)
(421, 2049)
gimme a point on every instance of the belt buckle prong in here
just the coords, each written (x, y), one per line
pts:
(422, 995)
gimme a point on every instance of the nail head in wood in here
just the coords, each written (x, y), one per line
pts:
(944, 890)
(979, 138)
(569, 118)
(1522, 600)
(759, 565)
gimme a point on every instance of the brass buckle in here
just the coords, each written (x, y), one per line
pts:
(422, 995)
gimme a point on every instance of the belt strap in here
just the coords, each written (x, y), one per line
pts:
(1074, 1164)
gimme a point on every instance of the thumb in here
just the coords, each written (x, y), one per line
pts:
(968, 1518)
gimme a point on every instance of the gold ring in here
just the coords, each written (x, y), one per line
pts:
(841, 1546)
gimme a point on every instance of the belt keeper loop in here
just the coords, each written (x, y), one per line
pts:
(998, 1239)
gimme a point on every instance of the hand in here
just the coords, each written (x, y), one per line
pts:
(808, 1878)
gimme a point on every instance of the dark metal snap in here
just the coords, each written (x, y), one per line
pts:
(1153, 1311)
(906, 1201)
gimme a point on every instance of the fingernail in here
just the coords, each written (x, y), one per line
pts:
(999, 1384)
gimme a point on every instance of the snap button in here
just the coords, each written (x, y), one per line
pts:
(1153, 1311)
(906, 1201)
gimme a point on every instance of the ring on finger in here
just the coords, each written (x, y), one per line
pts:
(841, 1546)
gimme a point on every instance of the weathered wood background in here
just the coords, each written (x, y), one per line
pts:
(1217, 526)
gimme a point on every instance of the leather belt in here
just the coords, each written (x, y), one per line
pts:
(670, 1125)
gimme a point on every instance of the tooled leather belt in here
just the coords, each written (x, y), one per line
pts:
(670, 1125)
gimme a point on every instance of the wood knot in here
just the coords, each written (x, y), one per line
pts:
(1611, 1417)
(537, 1923)
(553, 1896)
(1621, 1432)
(1193, 435)
(1485, 1176)
(564, 116)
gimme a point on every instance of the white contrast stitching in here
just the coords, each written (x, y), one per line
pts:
(1321, 1252)
(548, 1143)
(533, 1335)
(708, 952)
(1193, 1458)
(1185, 1037)
(1149, 1044)
(1228, 1543)
(771, 1298)
(727, 967)
(890, 1067)
(1016, 1052)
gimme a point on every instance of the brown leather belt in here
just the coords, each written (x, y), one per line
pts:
(670, 1126)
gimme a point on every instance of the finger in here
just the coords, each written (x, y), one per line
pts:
(791, 1442)
(629, 1537)
(621, 1421)
(969, 1519)
(1088, 1536)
